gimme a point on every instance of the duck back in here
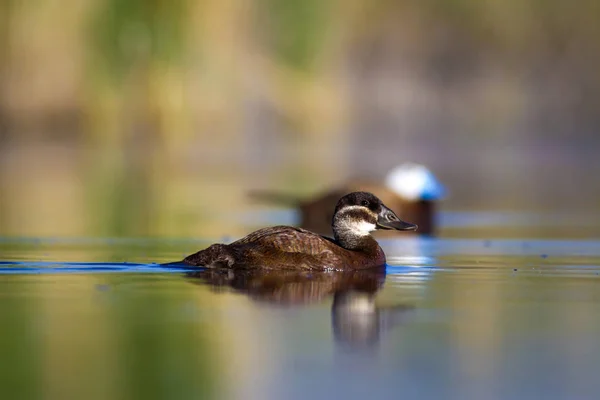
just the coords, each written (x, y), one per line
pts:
(286, 247)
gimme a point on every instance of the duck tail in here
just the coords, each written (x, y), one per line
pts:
(215, 256)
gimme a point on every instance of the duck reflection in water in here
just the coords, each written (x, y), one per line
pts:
(357, 320)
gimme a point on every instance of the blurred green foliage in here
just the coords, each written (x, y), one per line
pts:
(126, 33)
(156, 96)
(297, 29)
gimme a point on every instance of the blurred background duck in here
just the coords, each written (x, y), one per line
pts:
(410, 189)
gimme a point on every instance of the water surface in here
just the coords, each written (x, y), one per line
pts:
(458, 317)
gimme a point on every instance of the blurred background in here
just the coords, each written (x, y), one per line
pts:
(154, 117)
(149, 121)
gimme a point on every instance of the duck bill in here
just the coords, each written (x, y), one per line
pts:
(387, 219)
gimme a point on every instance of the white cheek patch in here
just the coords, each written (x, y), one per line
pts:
(350, 224)
(360, 228)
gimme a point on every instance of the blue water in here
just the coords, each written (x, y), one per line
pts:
(16, 267)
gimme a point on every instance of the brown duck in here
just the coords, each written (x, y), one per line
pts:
(410, 189)
(285, 247)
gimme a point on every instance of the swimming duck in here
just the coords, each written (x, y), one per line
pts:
(285, 247)
(410, 189)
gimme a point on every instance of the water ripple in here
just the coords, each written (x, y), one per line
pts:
(18, 267)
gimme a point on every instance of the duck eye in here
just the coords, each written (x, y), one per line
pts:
(364, 203)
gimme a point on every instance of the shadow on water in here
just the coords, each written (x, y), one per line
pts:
(357, 320)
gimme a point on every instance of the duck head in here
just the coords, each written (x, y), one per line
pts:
(359, 213)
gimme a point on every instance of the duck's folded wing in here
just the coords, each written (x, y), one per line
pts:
(290, 240)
